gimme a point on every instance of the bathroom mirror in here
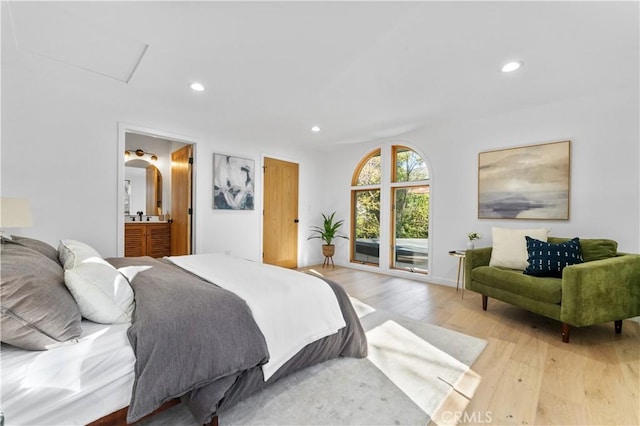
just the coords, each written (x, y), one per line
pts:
(143, 188)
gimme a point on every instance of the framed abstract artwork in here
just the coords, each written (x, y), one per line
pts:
(233, 182)
(530, 182)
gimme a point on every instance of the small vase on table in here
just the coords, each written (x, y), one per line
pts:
(469, 245)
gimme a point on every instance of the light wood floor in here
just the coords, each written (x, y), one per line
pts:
(529, 377)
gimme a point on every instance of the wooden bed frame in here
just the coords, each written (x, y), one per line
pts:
(119, 417)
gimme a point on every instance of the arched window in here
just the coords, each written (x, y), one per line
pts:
(406, 210)
(365, 206)
(410, 210)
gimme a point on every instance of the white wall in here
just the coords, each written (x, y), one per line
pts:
(60, 150)
(240, 232)
(605, 177)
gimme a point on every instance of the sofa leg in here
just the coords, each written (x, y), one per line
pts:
(565, 332)
(618, 325)
(484, 302)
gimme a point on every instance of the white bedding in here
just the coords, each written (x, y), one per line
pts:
(71, 385)
(78, 383)
(292, 309)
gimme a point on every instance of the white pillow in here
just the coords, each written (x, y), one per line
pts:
(102, 293)
(509, 247)
(72, 253)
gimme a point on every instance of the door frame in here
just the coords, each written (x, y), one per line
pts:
(123, 129)
(275, 157)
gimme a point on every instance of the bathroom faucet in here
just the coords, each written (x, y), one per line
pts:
(140, 213)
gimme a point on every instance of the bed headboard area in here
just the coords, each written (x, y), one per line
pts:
(45, 292)
(37, 310)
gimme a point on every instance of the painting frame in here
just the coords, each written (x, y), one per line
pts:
(530, 182)
(233, 183)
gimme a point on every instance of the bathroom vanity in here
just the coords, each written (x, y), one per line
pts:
(147, 239)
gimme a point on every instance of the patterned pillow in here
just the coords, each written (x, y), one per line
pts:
(548, 259)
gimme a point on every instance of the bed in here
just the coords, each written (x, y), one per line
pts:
(86, 337)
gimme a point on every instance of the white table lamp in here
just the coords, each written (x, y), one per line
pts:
(15, 213)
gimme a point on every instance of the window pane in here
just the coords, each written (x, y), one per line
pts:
(411, 227)
(370, 172)
(409, 166)
(367, 221)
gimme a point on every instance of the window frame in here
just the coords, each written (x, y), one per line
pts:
(363, 162)
(387, 187)
(355, 188)
(392, 227)
(354, 193)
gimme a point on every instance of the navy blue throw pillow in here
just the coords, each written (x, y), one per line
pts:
(548, 260)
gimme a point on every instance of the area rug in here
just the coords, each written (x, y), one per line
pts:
(415, 373)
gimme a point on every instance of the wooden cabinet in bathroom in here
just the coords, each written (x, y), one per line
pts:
(147, 239)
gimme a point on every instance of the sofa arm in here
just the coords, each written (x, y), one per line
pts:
(474, 258)
(601, 290)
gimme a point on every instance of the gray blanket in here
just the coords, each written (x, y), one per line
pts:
(350, 341)
(197, 341)
(186, 334)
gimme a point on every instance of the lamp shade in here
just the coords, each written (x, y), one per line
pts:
(15, 213)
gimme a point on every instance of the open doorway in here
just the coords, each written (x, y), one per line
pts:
(155, 193)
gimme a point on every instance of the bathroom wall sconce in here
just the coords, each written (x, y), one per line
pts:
(141, 155)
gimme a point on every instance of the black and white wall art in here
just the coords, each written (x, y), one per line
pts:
(233, 182)
(530, 182)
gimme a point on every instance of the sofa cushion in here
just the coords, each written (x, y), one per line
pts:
(510, 247)
(544, 289)
(549, 259)
(593, 248)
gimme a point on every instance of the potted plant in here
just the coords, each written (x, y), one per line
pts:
(472, 236)
(327, 233)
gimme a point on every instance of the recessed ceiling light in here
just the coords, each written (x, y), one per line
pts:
(315, 129)
(511, 66)
(198, 87)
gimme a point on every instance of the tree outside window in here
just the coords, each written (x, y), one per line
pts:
(409, 228)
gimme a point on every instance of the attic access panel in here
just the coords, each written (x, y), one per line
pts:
(53, 32)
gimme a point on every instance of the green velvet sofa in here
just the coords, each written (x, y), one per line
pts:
(606, 287)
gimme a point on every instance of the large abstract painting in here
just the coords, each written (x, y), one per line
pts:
(530, 182)
(233, 182)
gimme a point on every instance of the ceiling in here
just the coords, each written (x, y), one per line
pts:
(358, 70)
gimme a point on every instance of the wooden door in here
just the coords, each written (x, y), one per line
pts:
(154, 197)
(181, 208)
(280, 216)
